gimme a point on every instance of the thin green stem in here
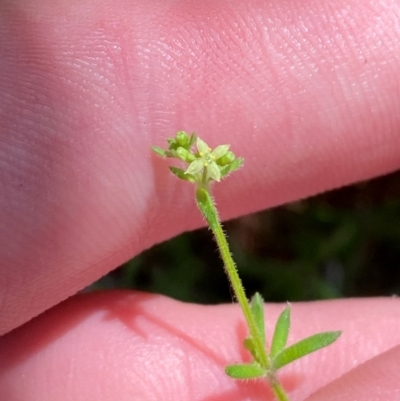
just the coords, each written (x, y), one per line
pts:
(278, 390)
(205, 166)
(209, 211)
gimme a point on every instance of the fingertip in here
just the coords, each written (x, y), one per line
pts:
(374, 380)
(124, 345)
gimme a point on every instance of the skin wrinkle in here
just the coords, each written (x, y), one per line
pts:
(30, 252)
(374, 372)
(299, 133)
(257, 110)
(133, 325)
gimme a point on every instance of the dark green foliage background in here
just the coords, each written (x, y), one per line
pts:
(340, 244)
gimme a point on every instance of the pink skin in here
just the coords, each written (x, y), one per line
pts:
(308, 92)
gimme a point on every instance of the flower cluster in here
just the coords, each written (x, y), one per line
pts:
(204, 164)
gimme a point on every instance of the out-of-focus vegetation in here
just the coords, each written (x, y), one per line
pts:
(340, 244)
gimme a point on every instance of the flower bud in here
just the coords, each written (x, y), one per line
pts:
(182, 139)
(227, 158)
(185, 155)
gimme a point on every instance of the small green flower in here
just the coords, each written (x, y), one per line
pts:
(206, 163)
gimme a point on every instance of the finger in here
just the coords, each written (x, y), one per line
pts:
(309, 97)
(119, 345)
(377, 380)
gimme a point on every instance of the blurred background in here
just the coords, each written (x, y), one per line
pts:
(344, 243)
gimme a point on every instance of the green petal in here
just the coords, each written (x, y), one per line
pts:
(202, 147)
(220, 151)
(213, 172)
(195, 166)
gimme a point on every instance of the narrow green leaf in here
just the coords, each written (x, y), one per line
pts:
(248, 343)
(281, 333)
(257, 310)
(181, 174)
(159, 151)
(304, 347)
(236, 164)
(172, 144)
(192, 140)
(245, 371)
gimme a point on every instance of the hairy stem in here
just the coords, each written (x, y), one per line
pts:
(209, 211)
(278, 390)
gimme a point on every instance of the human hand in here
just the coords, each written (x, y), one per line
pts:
(309, 97)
